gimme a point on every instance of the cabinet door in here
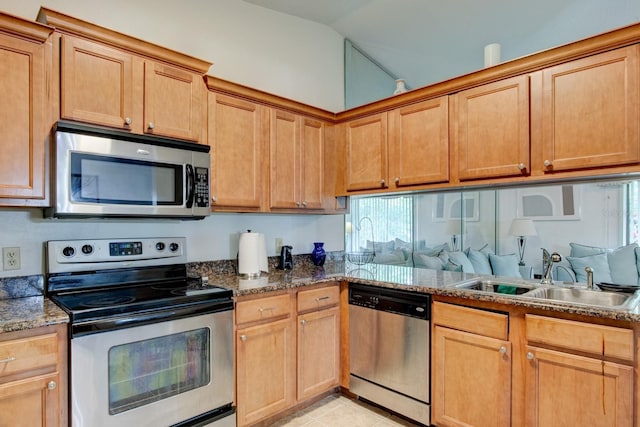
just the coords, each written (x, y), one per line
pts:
(491, 129)
(97, 84)
(284, 143)
(568, 390)
(173, 102)
(312, 178)
(590, 111)
(472, 379)
(318, 352)
(31, 402)
(366, 144)
(22, 165)
(236, 136)
(266, 370)
(419, 143)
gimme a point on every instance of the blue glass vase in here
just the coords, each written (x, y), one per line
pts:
(318, 255)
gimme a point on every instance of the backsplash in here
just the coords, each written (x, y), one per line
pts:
(19, 287)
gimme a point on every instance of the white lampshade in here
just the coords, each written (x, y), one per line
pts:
(522, 227)
(453, 226)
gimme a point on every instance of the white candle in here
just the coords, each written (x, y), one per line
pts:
(491, 54)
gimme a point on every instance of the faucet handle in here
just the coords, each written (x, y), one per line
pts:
(556, 257)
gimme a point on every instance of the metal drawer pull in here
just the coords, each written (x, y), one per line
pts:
(503, 350)
(52, 385)
(243, 337)
(8, 359)
(321, 298)
(266, 309)
(303, 322)
(530, 356)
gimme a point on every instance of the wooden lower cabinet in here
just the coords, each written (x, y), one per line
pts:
(33, 385)
(318, 352)
(280, 364)
(565, 389)
(265, 356)
(471, 375)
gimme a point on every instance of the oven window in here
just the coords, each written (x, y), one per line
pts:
(112, 180)
(146, 371)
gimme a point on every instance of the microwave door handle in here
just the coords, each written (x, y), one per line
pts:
(191, 185)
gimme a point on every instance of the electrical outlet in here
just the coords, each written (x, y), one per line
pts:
(11, 258)
(278, 244)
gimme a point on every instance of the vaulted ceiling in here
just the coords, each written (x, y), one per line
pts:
(424, 41)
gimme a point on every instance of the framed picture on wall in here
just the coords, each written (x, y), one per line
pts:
(552, 203)
(456, 206)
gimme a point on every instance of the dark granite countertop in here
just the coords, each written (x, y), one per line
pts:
(406, 278)
(22, 305)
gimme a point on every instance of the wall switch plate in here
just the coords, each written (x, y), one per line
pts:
(11, 258)
(278, 245)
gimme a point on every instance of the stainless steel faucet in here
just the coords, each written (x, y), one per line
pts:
(589, 271)
(547, 262)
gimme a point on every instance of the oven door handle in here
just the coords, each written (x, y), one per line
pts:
(145, 318)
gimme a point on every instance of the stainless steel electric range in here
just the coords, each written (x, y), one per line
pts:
(149, 346)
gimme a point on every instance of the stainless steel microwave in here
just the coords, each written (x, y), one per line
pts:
(99, 172)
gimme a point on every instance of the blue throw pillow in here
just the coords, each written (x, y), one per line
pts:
(459, 258)
(480, 261)
(578, 250)
(598, 263)
(622, 265)
(505, 265)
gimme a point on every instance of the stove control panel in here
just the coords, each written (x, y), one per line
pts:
(81, 255)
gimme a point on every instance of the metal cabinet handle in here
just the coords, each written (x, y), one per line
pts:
(521, 166)
(382, 182)
(8, 359)
(321, 298)
(214, 199)
(503, 350)
(304, 204)
(243, 337)
(303, 322)
(297, 204)
(547, 163)
(397, 179)
(52, 385)
(265, 309)
(530, 356)
(151, 125)
(127, 120)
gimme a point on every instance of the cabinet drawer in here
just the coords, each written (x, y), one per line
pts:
(263, 309)
(315, 299)
(579, 336)
(476, 321)
(25, 354)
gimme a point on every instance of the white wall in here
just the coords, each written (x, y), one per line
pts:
(213, 238)
(248, 44)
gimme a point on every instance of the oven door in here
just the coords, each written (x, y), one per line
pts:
(153, 375)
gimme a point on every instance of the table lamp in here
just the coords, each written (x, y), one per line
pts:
(522, 228)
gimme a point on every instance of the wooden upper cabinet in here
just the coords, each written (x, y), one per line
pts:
(284, 143)
(112, 79)
(491, 130)
(419, 143)
(96, 84)
(237, 138)
(297, 161)
(174, 102)
(23, 117)
(366, 146)
(589, 111)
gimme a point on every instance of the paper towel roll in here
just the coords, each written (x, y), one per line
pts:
(491, 54)
(252, 254)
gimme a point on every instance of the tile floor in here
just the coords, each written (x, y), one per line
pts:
(339, 411)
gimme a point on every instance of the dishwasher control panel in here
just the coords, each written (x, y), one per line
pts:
(391, 300)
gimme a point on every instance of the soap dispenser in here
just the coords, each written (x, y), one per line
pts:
(286, 259)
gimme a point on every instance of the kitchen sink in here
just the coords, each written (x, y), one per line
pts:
(496, 287)
(586, 296)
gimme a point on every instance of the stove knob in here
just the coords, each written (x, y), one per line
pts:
(173, 247)
(160, 246)
(87, 249)
(68, 251)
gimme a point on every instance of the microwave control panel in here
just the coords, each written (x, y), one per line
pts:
(202, 187)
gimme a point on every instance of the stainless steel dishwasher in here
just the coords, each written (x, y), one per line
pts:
(389, 349)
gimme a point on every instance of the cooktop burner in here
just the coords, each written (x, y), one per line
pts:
(106, 301)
